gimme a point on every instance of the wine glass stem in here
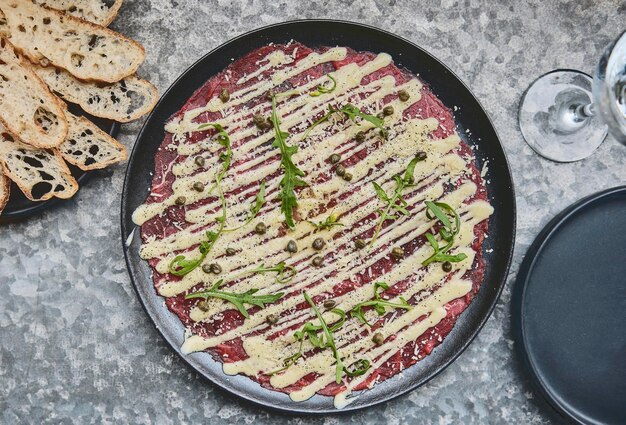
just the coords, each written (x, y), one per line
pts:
(582, 112)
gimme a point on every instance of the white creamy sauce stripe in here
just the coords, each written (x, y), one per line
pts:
(358, 201)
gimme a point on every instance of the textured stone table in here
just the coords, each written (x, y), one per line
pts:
(75, 344)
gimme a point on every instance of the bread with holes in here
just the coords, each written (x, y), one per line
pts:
(5, 190)
(101, 12)
(88, 147)
(39, 173)
(27, 107)
(123, 101)
(88, 51)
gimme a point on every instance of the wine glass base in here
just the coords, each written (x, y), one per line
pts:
(548, 121)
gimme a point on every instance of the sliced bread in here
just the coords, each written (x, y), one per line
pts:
(27, 107)
(5, 189)
(88, 51)
(124, 101)
(101, 12)
(39, 173)
(88, 147)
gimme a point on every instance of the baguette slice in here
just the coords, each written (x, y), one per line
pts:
(88, 147)
(88, 51)
(39, 173)
(27, 107)
(100, 12)
(5, 189)
(124, 101)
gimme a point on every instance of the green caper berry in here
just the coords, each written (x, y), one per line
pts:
(292, 247)
(330, 303)
(260, 228)
(224, 95)
(397, 252)
(447, 267)
(360, 243)
(318, 244)
(216, 268)
(206, 268)
(272, 319)
(198, 186)
(388, 110)
(421, 155)
(269, 94)
(404, 95)
(203, 305)
(360, 137)
(347, 177)
(335, 158)
(380, 115)
(340, 170)
(230, 252)
(378, 338)
(199, 161)
(318, 261)
(259, 120)
(181, 200)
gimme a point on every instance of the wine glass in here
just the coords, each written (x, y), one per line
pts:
(565, 114)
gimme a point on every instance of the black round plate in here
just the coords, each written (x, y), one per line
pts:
(452, 92)
(569, 310)
(20, 207)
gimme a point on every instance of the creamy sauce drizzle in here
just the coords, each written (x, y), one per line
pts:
(343, 261)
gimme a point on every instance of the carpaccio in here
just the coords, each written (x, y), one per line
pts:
(422, 123)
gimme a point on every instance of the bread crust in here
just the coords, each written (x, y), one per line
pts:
(59, 5)
(5, 189)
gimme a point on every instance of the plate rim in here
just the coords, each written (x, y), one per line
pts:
(519, 294)
(507, 257)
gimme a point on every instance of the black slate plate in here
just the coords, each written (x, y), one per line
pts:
(470, 116)
(20, 207)
(569, 310)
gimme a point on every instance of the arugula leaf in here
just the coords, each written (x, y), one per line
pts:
(330, 221)
(226, 156)
(237, 299)
(379, 304)
(352, 112)
(440, 211)
(395, 201)
(321, 89)
(284, 273)
(180, 265)
(291, 179)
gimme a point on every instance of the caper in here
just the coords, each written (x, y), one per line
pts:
(330, 303)
(318, 261)
(447, 266)
(388, 110)
(340, 170)
(404, 95)
(215, 268)
(260, 228)
(180, 200)
(347, 177)
(272, 319)
(292, 247)
(203, 305)
(360, 137)
(206, 268)
(230, 252)
(199, 161)
(380, 115)
(224, 95)
(269, 94)
(260, 121)
(421, 155)
(318, 244)
(199, 186)
(378, 338)
(397, 252)
(335, 158)
(360, 243)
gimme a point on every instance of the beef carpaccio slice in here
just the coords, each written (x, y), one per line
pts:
(175, 218)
